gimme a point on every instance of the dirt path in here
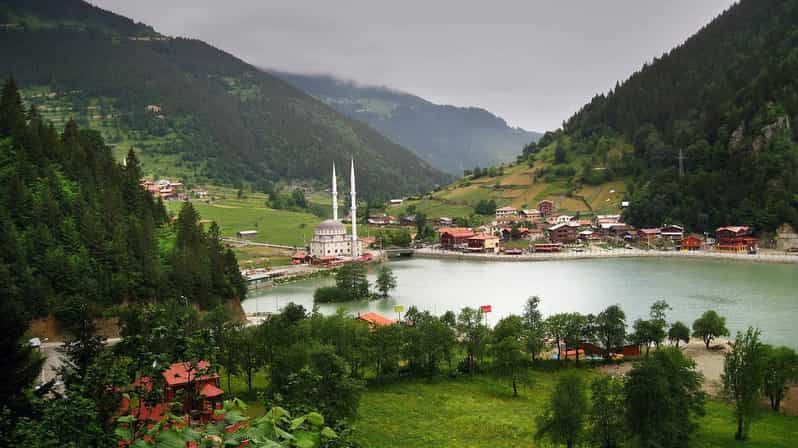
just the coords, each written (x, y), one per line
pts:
(710, 364)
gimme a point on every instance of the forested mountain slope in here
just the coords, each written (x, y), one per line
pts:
(188, 107)
(726, 100)
(450, 138)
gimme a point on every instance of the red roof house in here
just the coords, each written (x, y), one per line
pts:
(375, 320)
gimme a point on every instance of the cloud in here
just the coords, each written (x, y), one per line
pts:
(532, 62)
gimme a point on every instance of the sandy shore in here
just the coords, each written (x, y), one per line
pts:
(710, 364)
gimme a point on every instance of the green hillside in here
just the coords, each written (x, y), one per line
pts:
(451, 138)
(722, 103)
(189, 109)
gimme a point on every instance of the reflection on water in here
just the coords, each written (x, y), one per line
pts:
(763, 295)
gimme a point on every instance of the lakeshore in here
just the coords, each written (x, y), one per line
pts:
(615, 253)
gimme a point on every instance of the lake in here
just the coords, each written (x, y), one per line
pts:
(758, 294)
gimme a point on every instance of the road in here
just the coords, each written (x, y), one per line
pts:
(52, 358)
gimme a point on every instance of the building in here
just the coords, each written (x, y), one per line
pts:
(648, 236)
(589, 235)
(165, 189)
(692, 242)
(786, 237)
(736, 239)
(396, 202)
(488, 244)
(246, 234)
(409, 220)
(564, 219)
(195, 384)
(607, 219)
(545, 247)
(530, 215)
(545, 207)
(380, 220)
(443, 221)
(375, 320)
(506, 211)
(330, 238)
(672, 232)
(455, 237)
(536, 234)
(563, 233)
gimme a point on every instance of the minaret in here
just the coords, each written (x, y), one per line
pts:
(355, 245)
(335, 195)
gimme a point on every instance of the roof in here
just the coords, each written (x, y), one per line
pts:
(505, 209)
(458, 232)
(331, 224)
(375, 319)
(211, 391)
(545, 201)
(559, 226)
(248, 232)
(299, 255)
(484, 237)
(181, 372)
(734, 229)
(649, 231)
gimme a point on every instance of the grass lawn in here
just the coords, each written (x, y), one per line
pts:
(481, 412)
(273, 226)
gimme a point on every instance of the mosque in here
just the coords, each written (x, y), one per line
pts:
(330, 238)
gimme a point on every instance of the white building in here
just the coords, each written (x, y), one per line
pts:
(330, 238)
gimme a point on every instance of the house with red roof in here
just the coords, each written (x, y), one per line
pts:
(736, 239)
(455, 237)
(375, 320)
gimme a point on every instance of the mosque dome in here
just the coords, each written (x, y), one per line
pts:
(330, 227)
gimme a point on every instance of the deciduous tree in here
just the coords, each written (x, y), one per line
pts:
(743, 378)
(710, 326)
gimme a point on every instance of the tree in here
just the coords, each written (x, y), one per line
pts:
(606, 419)
(663, 397)
(679, 332)
(577, 328)
(563, 419)
(508, 355)
(657, 314)
(351, 277)
(648, 333)
(386, 281)
(248, 356)
(473, 334)
(743, 378)
(710, 326)
(534, 327)
(781, 368)
(385, 343)
(611, 328)
(556, 329)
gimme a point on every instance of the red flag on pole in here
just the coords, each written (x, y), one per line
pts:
(485, 308)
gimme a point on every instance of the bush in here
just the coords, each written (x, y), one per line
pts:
(329, 294)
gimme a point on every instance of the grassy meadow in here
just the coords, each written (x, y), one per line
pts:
(481, 412)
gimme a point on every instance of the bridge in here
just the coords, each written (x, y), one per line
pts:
(399, 253)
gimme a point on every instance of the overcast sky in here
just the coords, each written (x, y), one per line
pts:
(534, 63)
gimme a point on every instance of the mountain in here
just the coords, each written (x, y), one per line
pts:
(704, 135)
(189, 109)
(451, 138)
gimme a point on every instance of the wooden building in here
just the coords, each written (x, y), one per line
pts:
(736, 239)
(563, 233)
(648, 236)
(672, 232)
(455, 237)
(692, 242)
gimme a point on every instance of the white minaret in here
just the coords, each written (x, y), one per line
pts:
(355, 245)
(335, 195)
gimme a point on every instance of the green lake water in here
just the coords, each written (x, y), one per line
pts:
(758, 294)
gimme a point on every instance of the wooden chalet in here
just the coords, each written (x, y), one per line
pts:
(563, 233)
(736, 239)
(648, 236)
(455, 237)
(692, 242)
(506, 211)
(672, 232)
(301, 258)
